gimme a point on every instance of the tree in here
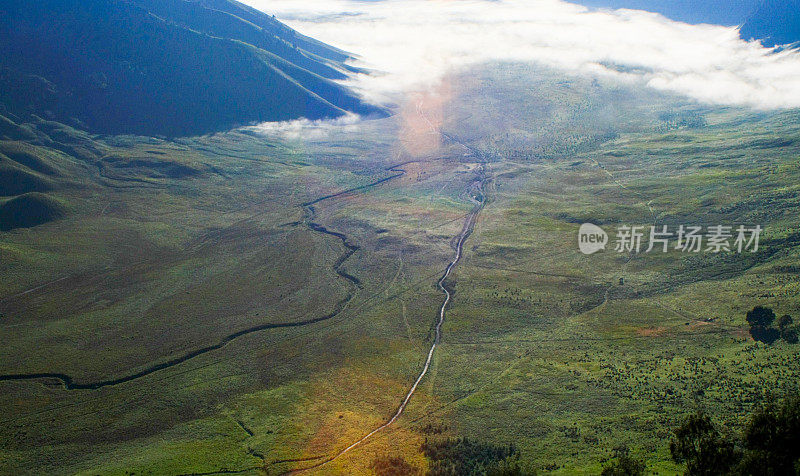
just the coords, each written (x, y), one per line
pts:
(785, 321)
(760, 316)
(772, 440)
(623, 464)
(768, 335)
(698, 444)
(788, 333)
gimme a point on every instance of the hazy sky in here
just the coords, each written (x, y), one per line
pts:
(416, 42)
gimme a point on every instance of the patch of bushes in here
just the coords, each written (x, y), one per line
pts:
(769, 445)
(465, 457)
(623, 464)
(393, 466)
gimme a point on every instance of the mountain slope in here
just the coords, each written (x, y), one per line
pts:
(168, 67)
(267, 34)
(270, 24)
(775, 22)
(718, 12)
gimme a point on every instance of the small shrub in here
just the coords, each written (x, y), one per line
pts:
(393, 466)
(785, 321)
(623, 464)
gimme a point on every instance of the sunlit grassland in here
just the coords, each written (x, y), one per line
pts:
(149, 267)
(171, 245)
(535, 354)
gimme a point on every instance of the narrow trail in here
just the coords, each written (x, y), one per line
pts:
(476, 194)
(35, 288)
(68, 382)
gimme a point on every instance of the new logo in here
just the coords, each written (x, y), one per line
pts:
(591, 238)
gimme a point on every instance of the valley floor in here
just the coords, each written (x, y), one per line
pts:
(251, 302)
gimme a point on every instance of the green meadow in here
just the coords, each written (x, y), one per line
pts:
(185, 280)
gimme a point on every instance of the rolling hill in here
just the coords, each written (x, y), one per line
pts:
(165, 68)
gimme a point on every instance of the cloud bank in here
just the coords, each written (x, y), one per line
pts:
(307, 129)
(414, 43)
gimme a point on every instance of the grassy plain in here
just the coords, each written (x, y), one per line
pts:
(169, 246)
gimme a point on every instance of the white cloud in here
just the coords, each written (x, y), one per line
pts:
(416, 42)
(307, 129)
